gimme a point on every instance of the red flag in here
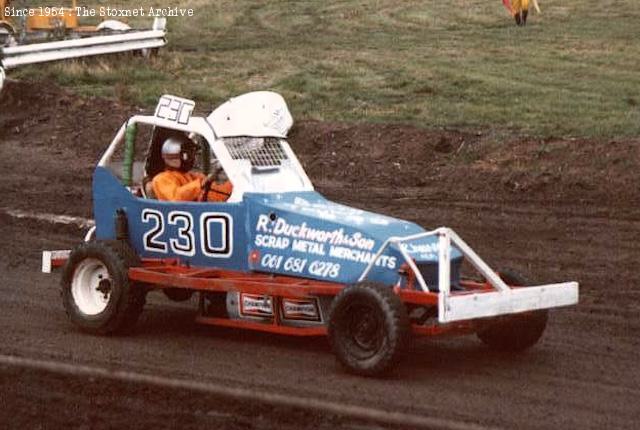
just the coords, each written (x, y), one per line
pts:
(507, 4)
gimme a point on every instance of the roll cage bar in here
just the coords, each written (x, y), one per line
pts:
(216, 147)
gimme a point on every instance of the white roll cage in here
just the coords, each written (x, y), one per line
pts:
(240, 174)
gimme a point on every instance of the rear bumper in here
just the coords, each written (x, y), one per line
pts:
(510, 301)
(53, 259)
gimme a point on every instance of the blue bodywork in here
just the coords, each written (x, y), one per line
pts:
(299, 234)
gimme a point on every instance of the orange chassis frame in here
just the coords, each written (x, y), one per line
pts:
(172, 273)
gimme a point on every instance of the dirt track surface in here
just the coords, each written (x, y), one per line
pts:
(556, 210)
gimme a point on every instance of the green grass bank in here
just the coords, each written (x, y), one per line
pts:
(573, 71)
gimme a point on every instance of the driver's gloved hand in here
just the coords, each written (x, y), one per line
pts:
(208, 180)
(218, 173)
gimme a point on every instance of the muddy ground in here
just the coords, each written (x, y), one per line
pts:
(556, 209)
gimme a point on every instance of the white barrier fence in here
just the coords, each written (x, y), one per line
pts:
(15, 56)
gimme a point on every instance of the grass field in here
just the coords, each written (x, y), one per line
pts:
(573, 71)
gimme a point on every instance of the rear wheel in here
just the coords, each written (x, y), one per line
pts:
(368, 328)
(96, 292)
(516, 332)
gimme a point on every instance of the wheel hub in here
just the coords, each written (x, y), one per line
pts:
(91, 286)
(104, 287)
(366, 330)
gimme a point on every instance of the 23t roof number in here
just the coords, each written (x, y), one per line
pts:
(175, 109)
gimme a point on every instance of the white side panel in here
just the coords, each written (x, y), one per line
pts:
(481, 305)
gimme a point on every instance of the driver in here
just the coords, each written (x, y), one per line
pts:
(178, 183)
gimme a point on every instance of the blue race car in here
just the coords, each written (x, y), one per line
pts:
(277, 256)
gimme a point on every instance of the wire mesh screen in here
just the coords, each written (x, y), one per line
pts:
(261, 152)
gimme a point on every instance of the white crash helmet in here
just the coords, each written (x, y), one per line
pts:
(178, 153)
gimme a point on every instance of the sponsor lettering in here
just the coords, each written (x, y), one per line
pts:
(296, 265)
(274, 242)
(300, 266)
(308, 247)
(281, 235)
(302, 231)
(324, 269)
(364, 257)
(270, 261)
(256, 305)
(300, 309)
(425, 251)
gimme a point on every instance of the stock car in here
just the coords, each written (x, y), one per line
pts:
(277, 256)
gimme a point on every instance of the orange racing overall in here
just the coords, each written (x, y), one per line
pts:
(173, 185)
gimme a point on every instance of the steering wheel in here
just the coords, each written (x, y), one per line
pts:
(206, 187)
(206, 184)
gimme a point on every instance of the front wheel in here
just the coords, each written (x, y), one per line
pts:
(518, 332)
(96, 292)
(368, 328)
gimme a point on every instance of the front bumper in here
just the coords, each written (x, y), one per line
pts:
(514, 300)
(460, 306)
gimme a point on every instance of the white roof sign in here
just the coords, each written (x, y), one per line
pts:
(256, 114)
(175, 109)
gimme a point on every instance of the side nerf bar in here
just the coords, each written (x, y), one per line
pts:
(58, 258)
(457, 307)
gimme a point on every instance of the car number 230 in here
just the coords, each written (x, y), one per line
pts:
(213, 236)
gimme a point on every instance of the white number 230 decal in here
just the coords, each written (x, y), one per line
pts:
(214, 226)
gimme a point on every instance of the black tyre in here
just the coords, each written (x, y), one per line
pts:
(177, 294)
(96, 292)
(368, 328)
(517, 332)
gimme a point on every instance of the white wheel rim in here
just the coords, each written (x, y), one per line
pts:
(91, 286)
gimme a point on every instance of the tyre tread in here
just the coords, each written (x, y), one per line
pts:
(396, 317)
(120, 257)
(518, 332)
